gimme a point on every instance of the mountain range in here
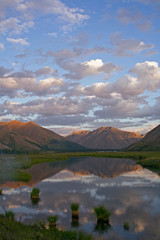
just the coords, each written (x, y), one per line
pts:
(104, 138)
(30, 137)
(16, 136)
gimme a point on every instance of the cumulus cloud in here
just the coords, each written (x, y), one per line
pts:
(78, 71)
(148, 74)
(20, 41)
(20, 84)
(127, 47)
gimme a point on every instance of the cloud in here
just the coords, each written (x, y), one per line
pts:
(21, 84)
(148, 74)
(78, 71)
(2, 46)
(52, 34)
(45, 71)
(14, 26)
(49, 107)
(20, 41)
(70, 16)
(127, 47)
(145, 26)
(127, 16)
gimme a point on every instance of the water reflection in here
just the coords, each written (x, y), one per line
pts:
(132, 197)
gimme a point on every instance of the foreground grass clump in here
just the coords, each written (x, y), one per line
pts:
(10, 229)
(52, 221)
(102, 214)
(126, 226)
(35, 195)
(75, 210)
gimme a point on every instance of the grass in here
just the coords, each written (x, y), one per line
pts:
(102, 214)
(22, 176)
(9, 215)
(11, 229)
(52, 220)
(126, 226)
(35, 193)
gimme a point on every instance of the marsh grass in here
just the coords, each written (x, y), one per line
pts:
(126, 226)
(52, 219)
(75, 210)
(102, 214)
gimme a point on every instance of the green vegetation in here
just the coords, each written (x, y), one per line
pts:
(35, 195)
(126, 226)
(102, 214)
(52, 220)
(10, 229)
(75, 209)
(9, 215)
(22, 176)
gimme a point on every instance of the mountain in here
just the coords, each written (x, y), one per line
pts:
(104, 138)
(30, 137)
(150, 142)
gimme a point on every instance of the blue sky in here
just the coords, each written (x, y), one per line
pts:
(77, 64)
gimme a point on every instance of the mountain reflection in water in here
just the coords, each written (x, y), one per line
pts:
(132, 197)
(102, 167)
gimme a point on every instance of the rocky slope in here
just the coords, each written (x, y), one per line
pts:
(104, 138)
(150, 142)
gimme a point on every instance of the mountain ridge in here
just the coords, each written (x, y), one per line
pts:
(29, 136)
(104, 138)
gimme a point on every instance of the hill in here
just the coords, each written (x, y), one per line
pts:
(30, 137)
(104, 138)
(150, 142)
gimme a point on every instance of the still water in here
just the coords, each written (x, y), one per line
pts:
(131, 193)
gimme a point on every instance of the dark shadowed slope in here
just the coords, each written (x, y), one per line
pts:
(150, 142)
(19, 136)
(104, 138)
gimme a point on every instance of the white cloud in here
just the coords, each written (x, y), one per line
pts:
(127, 47)
(14, 26)
(81, 70)
(52, 34)
(2, 46)
(70, 16)
(20, 41)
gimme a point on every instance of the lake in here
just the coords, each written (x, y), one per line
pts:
(131, 193)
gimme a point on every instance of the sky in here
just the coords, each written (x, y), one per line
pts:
(70, 65)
